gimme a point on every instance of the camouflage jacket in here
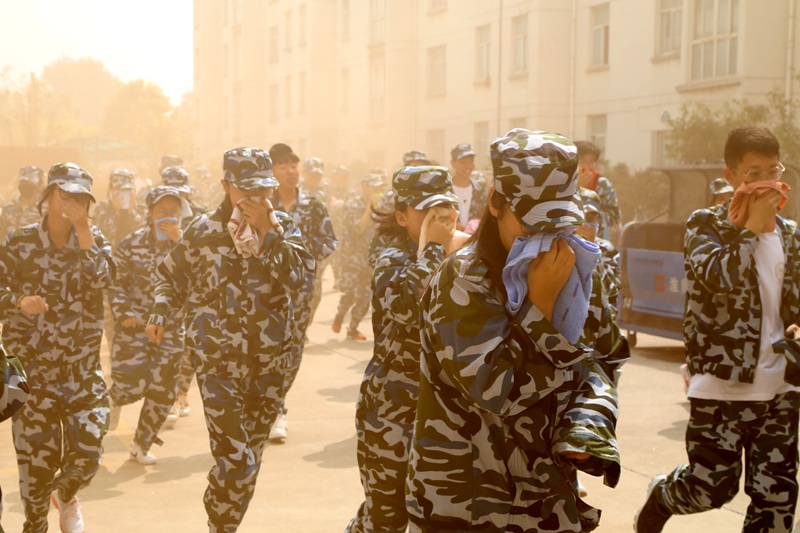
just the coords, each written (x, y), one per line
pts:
(321, 192)
(131, 295)
(612, 271)
(609, 207)
(70, 280)
(14, 215)
(722, 322)
(391, 380)
(355, 243)
(480, 197)
(238, 309)
(114, 223)
(311, 217)
(500, 399)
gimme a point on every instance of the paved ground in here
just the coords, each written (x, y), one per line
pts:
(311, 484)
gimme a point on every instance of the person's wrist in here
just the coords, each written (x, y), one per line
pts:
(19, 300)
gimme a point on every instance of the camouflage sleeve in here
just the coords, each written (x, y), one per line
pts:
(286, 254)
(502, 365)
(8, 273)
(718, 266)
(5, 222)
(323, 243)
(398, 285)
(608, 202)
(117, 291)
(173, 278)
(97, 267)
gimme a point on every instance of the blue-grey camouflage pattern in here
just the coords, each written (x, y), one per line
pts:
(239, 333)
(480, 196)
(612, 271)
(722, 322)
(387, 401)
(58, 433)
(500, 399)
(116, 224)
(15, 215)
(311, 218)
(609, 206)
(356, 271)
(717, 436)
(140, 368)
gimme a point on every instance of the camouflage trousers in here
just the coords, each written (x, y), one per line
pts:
(186, 374)
(302, 318)
(58, 435)
(355, 287)
(240, 405)
(317, 297)
(142, 369)
(384, 430)
(717, 434)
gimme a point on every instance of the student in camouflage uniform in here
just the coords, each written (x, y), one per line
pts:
(743, 300)
(235, 269)
(355, 249)
(139, 368)
(470, 189)
(589, 177)
(311, 218)
(178, 177)
(117, 217)
(23, 211)
(314, 184)
(610, 256)
(387, 401)
(340, 192)
(52, 310)
(508, 408)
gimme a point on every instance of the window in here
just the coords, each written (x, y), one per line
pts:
(288, 89)
(345, 90)
(436, 70)
(669, 27)
(274, 54)
(345, 14)
(435, 145)
(301, 26)
(377, 90)
(377, 28)
(301, 93)
(482, 50)
(599, 35)
(481, 144)
(714, 38)
(597, 130)
(519, 43)
(287, 29)
(273, 103)
(517, 122)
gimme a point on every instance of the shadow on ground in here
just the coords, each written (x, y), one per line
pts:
(340, 454)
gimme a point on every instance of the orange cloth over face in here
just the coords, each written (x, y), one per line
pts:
(737, 212)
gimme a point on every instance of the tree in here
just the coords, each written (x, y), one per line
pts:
(86, 83)
(30, 114)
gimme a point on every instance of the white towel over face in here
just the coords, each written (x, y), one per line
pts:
(244, 236)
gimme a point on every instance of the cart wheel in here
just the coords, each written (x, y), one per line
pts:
(632, 339)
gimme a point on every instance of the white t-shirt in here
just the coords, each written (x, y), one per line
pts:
(768, 380)
(465, 195)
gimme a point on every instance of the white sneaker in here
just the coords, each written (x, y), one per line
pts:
(280, 429)
(113, 415)
(69, 513)
(140, 456)
(172, 416)
(183, 405)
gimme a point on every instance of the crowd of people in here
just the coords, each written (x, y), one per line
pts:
(493, 381)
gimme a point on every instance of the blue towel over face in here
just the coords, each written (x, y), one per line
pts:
(572, 305)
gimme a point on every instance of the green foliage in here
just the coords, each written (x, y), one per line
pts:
(698, 133)
(642, 195)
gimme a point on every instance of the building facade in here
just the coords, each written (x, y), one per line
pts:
(359, 82)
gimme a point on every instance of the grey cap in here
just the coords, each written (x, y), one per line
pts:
(71, 178)
(177, 177)
(373, 179)
(720, 186)
(121, 179)
(460, 151)
(423, 187)
(31, 174)
(248, 168)
(164, 191)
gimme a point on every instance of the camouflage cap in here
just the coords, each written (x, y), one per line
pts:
(121, 179)
(31, 174)
(248, 168)
(460, 151)
(414, 155)
(341, 169)
(720, 186)
(171, 161)
(536, 171)
(373, 179)
(70, 178)
(177, 177)
(164, 191)
(590, 200)
(423, 187)
(379, 170)
(314, 165)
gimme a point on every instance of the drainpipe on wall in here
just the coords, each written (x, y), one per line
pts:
(572, 68)
(790, 52)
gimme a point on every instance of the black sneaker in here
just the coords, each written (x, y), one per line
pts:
(652, 516)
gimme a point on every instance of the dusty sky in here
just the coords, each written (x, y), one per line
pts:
(147, 39)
